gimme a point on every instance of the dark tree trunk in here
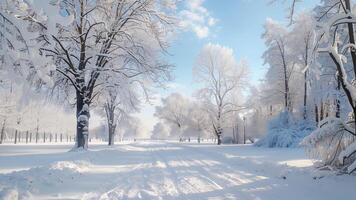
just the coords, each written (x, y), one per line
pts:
(337, 113)
(110, 117)
(344, 87)
(219, 139)
(82, 122)
(316, 111)
(2, 136)
(286, 89)
(112, 134)
(351, 36)
(218, 133)
(321, 116)
(287, 103)
(353, 56)
(15, 136)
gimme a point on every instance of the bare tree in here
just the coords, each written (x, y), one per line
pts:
(174, 110)
(220, 74)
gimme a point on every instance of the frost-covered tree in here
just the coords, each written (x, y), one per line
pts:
(220, 74)
(197, 121)
(332, 141)
(302, 39)
(174, 110)
(279, 59)
(78, 51)
(119, 101)
(116, 109)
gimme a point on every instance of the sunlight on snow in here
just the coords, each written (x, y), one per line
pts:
(297, 163)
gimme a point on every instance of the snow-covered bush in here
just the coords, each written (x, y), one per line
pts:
(285, 131)
(329, 143)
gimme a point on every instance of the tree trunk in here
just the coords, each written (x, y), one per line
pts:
(26, 137)
(287, 102)
(236, 134)
(321, 115)
(219, 139)
(218, 132)
(112, 134)
(110, 117)
(82, 122)
(338, 113)
(351, 36)
(305, 96)
(353, 55)
(316, 115)
(2, 136)
(15, 136)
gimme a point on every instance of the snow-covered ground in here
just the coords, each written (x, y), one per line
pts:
(165, 170)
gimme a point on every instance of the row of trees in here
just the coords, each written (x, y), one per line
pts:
(318, 50)
(100, 54)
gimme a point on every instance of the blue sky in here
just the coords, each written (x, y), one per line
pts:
(237, 24)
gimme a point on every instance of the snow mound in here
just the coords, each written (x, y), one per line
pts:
(37, 178)
(284, 131)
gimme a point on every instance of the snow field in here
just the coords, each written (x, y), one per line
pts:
(165, 170)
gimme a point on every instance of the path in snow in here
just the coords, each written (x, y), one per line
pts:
(162, 170)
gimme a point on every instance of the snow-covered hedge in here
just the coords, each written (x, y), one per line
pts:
(285, 131)
(332, 144)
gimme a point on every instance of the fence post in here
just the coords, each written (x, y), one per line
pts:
(44, 137)
(61, 137)
(36, 136)
(56, 138)
(30, 137)
(50, 137)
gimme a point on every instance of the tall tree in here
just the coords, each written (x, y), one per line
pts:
(279, 60)
(302, 43)
(220, 74)
(100, 33)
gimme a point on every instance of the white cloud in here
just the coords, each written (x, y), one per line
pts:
(195, 17)
(202, 32)
(212, 21)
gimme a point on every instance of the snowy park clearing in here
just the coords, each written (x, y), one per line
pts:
(165, 170)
